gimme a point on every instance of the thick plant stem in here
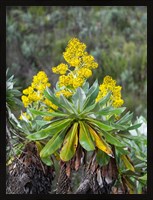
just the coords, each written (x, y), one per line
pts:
(98, 180)
(28, 175)
(63, 185)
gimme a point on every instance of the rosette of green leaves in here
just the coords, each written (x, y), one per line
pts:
(81, 121)
(13, 126)
(12, 93)
(135, 180)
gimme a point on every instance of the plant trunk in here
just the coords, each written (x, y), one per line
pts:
(28, 175)
(63, 185)
(98, 180)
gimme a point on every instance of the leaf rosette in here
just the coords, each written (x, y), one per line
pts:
(82, 121)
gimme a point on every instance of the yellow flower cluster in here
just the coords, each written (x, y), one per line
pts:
(76, 55)
(40, 81)
(60, 69)
(34, 92)
(74, 51)
(110, 85)
(65, 92)
(83, 63)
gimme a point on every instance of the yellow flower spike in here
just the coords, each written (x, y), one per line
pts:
(110, 85)
(34, 92)
(77, 57)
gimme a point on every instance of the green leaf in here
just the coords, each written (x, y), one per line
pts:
(85, 137)
(90, 109)
(51, 114)
(120, 126)
(112, 139)
(131, 185)
(140, 166)
(78, 99)
(125, 119)
(111, 110)
(135, 126)
(104, 99)
(101, 125)
(144, 177)
(92, 94)
(102, 158)
(70, 143)
(100, 142)
(67, 104)
(42, 122)
(53, 144)
(47, 161)
(127, 163)
(141, 158)
(85, 87)
(121, 150)
(16, 92)
(103, 111)
(52, 129)
(50, 96)
(131, 137)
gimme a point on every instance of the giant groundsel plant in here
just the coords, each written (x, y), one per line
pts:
(76, 118)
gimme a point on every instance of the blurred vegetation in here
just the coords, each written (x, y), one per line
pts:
(116, 36)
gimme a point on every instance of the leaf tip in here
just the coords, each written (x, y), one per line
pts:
(111, 155)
